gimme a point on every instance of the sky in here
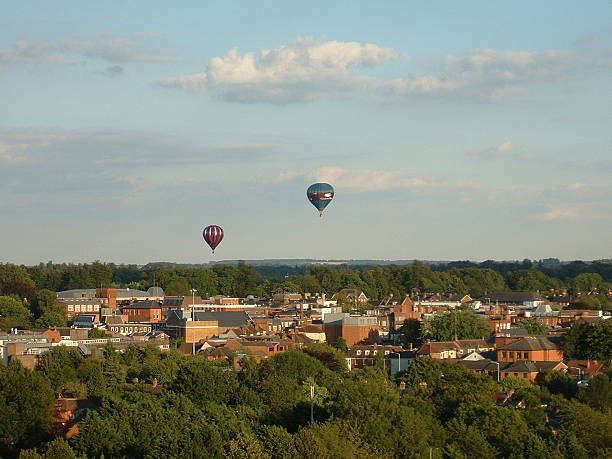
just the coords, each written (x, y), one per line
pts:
(449, 130)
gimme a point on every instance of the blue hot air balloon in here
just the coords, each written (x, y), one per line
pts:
(320, 195)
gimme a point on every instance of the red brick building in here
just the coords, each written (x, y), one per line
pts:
(144, 311)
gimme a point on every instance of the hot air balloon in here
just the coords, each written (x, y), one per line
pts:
(213, 235)
(320, 195)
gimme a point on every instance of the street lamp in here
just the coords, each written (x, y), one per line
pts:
(497, 363)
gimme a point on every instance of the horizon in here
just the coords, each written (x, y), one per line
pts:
(308, 261)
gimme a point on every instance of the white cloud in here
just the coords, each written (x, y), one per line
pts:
(562, 212)
(298, 71)
(193, 83)
(110, 49)
(32, 52)
(506, 149)
(577, 186)
(487, 74)
(354, 179)
(114, 50)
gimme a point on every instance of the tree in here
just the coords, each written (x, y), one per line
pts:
(26, 399)
(558, 382)
(245, 279)
(96, 333)
(60, 365)
(592, 428)
(598, 394)
(532, 325)
(341, 344)
(410, 332)
(50, 313)
(177, 286)
(277, 442)
(246, 446)
(586, 283)
(13, 313)
(589, 341)
(455, 324)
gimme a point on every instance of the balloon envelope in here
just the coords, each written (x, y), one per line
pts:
(320, 195)
(213, 235)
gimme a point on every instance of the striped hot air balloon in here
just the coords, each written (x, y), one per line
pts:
(213, 235)
(320, 195)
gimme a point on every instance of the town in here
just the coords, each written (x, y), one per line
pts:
(557, 340)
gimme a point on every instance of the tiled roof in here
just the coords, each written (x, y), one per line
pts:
(531, 343)
(230, 319)
(145, 304)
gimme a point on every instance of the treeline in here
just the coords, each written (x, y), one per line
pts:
(378, 282)
(153, 404)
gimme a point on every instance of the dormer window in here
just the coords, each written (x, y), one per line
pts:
(367, 352)
(358, 352)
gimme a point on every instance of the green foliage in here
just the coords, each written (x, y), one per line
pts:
(455, 324)
(587, 283)
(96, 333)
(332, 358)
(410, 332)
(532, 280)
(49, 312)
(13, 313)
(59, 449)
(332, 440)
(532, 325)
(203, 381)
(246, 446)
(558, 382)
(592, 429)
(26, 400)
(60, 365)
(145, 426)
(341, 344)
(598, 394)
(589, 341)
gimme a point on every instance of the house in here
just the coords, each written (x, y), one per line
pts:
(351, 294)
(399, 361)
(530, 348)
(367, 355)
(526, 299)
(522, 369)
(453, 349)
(405, 309)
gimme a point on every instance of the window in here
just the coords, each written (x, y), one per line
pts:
(358, 352)
(504, 354)
(386, 352)
(375, 352)
(70, 307)
(367, 352)
(526, 355)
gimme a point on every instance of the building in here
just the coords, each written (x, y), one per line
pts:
(76, 306)
(453, 349)
(353, 329)
(194, 326)
(530, 348)
(143, 311)
(351, 294)
(368, 355)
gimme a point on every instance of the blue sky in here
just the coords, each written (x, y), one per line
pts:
(450, 130)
